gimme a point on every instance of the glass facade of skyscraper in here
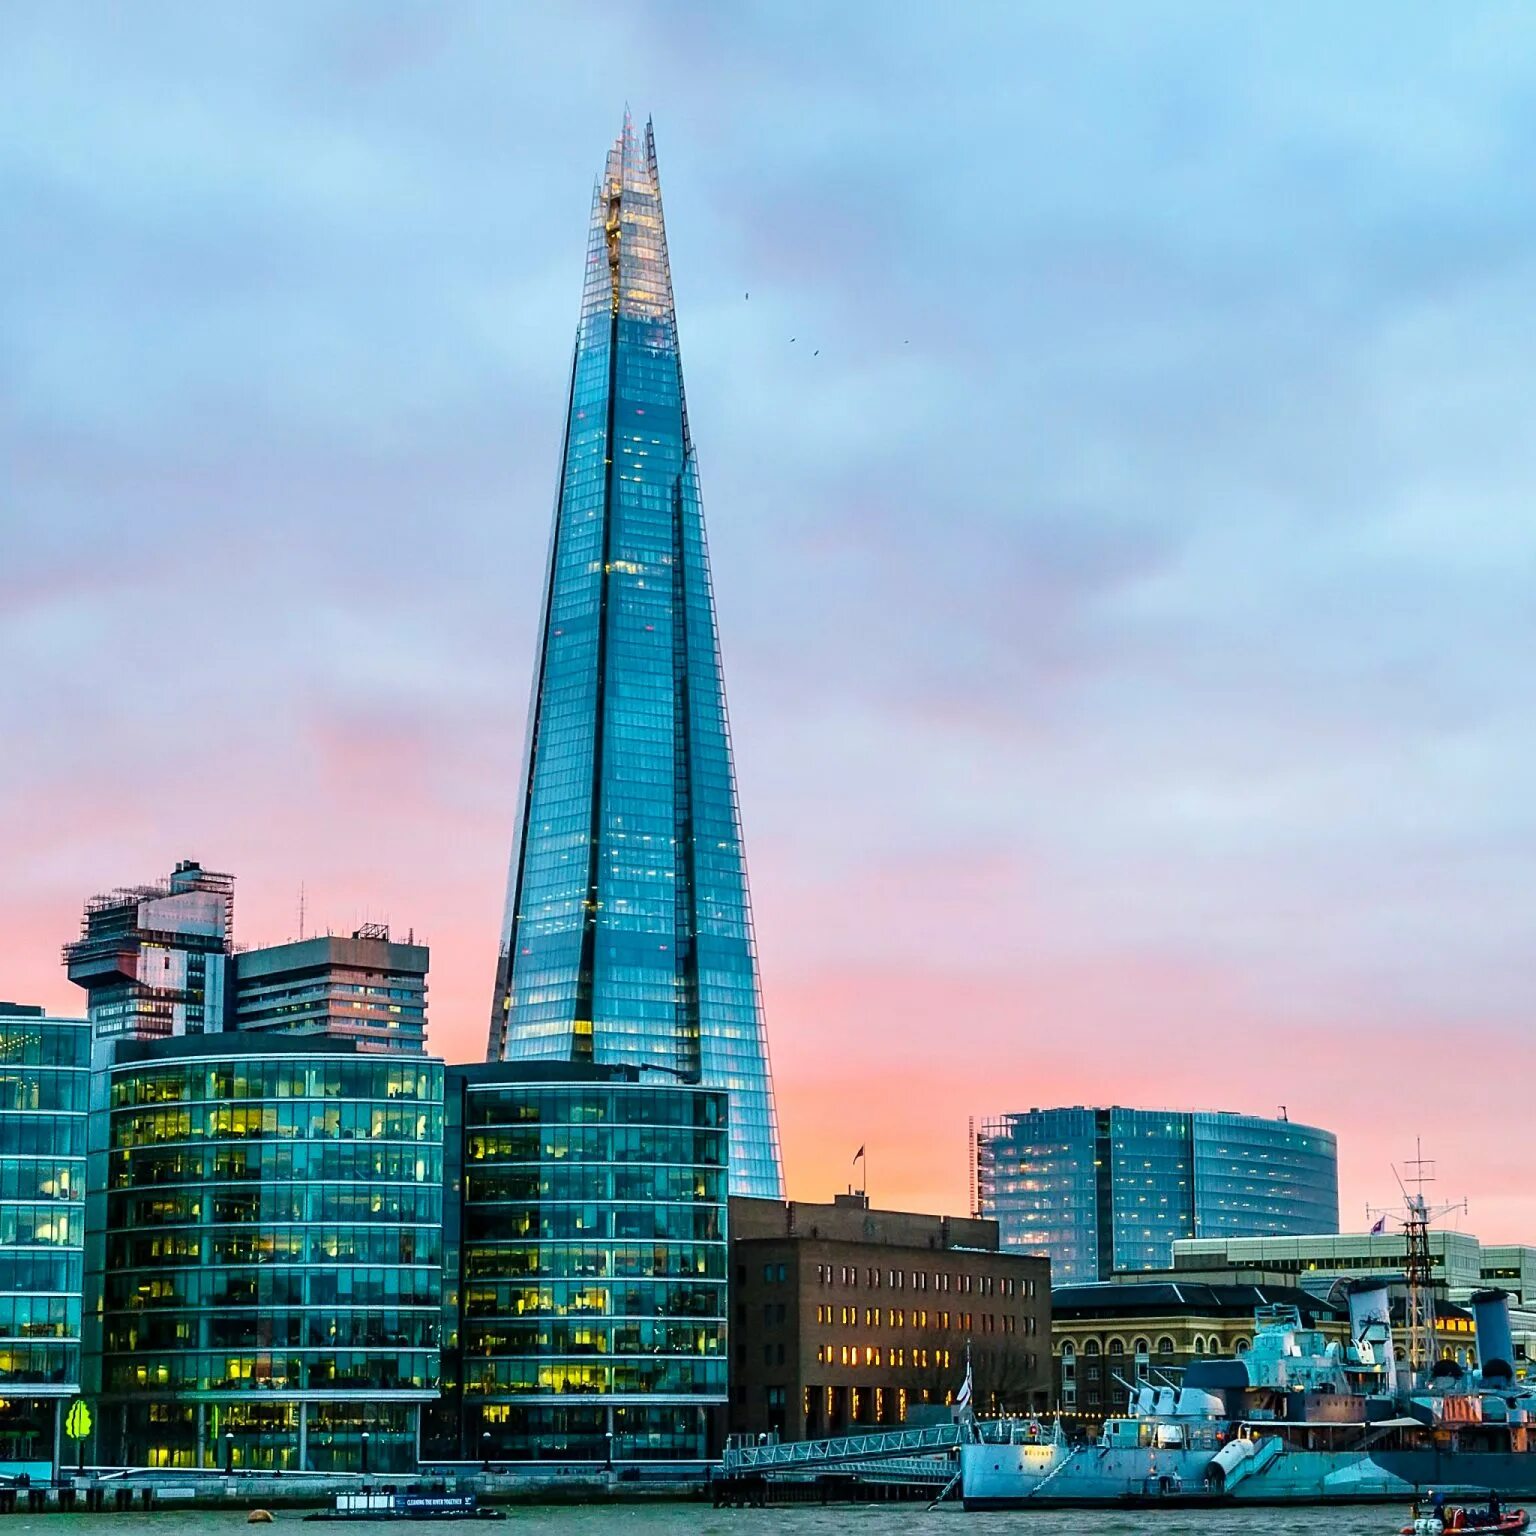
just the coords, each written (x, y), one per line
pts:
(265, 1235)
(585, 1292)
(44, 1075)
(628, 932)
(1105, 1190)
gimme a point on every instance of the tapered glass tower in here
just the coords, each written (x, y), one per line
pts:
(628, 931)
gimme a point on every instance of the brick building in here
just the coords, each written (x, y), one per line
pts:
(844, 1316)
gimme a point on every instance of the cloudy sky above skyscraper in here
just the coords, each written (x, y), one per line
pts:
(1124, 574)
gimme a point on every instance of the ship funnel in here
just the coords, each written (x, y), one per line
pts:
(1495, 1344)
(1370, 1324)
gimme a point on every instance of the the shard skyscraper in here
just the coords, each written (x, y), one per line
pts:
(628, 931)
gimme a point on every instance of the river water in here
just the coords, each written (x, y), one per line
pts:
(794, 1520)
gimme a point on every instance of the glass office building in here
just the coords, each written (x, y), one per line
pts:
(628, 931)
(585, 1283)
(265, 1237)
(1100, 1191)
(44, 1076)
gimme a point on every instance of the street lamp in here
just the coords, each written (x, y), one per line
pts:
(229, 1453)
(364, 1443)
(608, 1437)
(485, 1450)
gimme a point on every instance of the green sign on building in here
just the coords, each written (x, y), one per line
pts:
(77, 1422)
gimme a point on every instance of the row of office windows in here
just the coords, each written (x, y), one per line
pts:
(266, 1288)
(942, 1281)
(901, 1317)
(277, 1078)
(323, 1371)
(592, 1106)
(683, 1145)
(895, 1355)
(276, 1162)
(349, 1120)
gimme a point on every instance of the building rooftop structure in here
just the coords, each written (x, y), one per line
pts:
(153, 958)
(849, 1218)
(1141, 1297)
(1314, 1260)
(364, 987)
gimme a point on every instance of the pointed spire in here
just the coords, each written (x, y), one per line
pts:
(628, 738)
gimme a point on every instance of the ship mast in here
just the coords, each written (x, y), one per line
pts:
(1418, 1265)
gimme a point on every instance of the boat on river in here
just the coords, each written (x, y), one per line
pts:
(1488, 1518)
(407, 1506)
(1295, 1418)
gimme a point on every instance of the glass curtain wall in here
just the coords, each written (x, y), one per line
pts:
(269, 1254)
(628, 933)
(44, 1076)
(588, 1275)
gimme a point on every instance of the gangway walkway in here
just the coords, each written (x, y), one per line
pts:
(823, 1455)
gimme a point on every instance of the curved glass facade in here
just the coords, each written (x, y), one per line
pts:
(44, 1076)
(267, 1239)
(628, 930)
(587, 1280)
(1105, 1190)
(1258, 1178)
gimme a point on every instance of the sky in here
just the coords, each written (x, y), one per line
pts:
(1127, 617)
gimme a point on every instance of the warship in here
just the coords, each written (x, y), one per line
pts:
(1294, 1418)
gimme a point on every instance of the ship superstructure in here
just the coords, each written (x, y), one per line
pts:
(1295, 1418)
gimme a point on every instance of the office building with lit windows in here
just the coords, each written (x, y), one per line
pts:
(265, 1241)
(585, 1282)
(154, 959)
(1104, 1191)
(845, 1317)
(628, 935)
(361, 987)
(44, 1076)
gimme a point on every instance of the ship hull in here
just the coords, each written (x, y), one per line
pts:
(1014, 1477)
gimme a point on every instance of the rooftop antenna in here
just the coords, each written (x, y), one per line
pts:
(301, 909)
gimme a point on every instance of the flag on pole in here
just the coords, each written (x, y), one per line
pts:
(1380, 1227)
(857, 1155)
(963, 1396)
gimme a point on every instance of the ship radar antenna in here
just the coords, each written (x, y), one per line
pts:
(1418, 1262)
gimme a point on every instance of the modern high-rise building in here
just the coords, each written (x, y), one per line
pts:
(153, 959)
(263, 1253)
(628, 935)
(365, 988)
(584, 1283)
(1101, 1191)
(44, 1075)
